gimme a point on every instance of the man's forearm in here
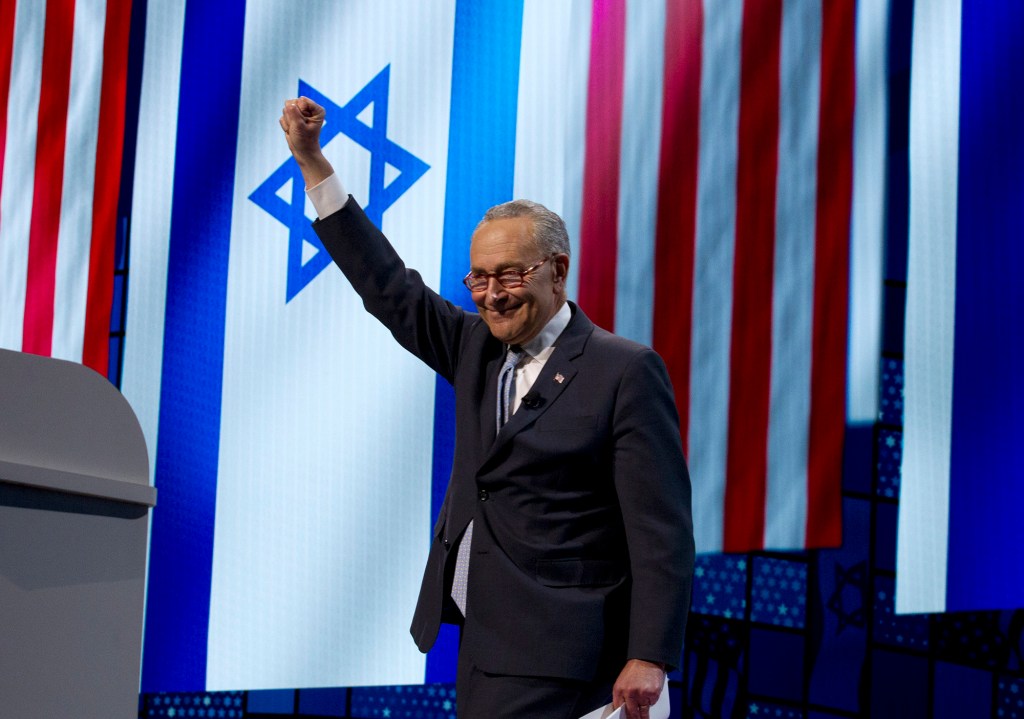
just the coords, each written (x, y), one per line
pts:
(315, 168)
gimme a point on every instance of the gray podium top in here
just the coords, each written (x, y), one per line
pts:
(63, 427)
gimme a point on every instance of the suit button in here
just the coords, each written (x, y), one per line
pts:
(482, 495)
(446, 542)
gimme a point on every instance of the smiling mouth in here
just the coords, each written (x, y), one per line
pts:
(503, 311)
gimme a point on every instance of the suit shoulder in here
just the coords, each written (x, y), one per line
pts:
(617, 347)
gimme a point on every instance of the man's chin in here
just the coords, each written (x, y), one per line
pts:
(508, 338)
(504, 330)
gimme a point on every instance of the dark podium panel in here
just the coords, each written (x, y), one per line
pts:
(74, 522)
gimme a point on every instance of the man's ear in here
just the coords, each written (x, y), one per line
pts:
(561, 264)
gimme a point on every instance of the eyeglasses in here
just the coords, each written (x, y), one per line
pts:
(509, 279)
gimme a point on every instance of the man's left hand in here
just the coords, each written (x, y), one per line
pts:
(639, 685)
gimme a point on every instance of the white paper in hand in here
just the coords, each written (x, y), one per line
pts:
(659, 710)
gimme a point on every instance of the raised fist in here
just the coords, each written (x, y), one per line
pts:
(301, 120)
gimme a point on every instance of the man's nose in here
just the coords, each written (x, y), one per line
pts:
(494, 288)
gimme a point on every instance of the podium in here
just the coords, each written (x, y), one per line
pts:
(74, 523)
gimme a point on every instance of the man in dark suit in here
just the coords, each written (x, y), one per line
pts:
(564, 547)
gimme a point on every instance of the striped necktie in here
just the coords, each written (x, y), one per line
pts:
(507, 385)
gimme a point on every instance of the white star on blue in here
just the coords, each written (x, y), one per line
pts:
(383, 195)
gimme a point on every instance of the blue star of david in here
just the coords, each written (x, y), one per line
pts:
(854, 578)
(383, 152)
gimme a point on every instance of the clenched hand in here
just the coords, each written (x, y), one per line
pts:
(301, 120)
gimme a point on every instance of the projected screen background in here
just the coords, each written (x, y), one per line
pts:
(301, 451)
(300, 456)
(805, 634)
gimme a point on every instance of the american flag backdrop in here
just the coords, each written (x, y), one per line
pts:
(63, 67)
(720, 165)
(731, 216)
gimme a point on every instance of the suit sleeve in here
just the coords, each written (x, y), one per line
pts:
(419, 319)
(653, 487)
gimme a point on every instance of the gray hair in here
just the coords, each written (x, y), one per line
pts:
(548, 228)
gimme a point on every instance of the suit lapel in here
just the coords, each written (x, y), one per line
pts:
(545, 389)
(557, 374)
(489, 404)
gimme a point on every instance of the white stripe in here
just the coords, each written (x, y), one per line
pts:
(867, 222)
(793, 277)
(75, 235)
(550, 81)
(638, 175)
(576, 129)
(19, 167)
(713, 269)
(552, 112)
(931, 280)
(151, 216)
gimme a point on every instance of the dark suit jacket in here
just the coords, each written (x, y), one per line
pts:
(582, 549)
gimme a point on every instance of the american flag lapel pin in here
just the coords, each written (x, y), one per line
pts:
(559, 378)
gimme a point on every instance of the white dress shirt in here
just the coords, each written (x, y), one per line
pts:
(328, 196)
(537, 351)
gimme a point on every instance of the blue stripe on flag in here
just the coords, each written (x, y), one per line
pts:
(190, 395)
(986, 494)
(481, 166)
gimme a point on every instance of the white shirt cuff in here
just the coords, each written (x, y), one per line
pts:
(328, 196)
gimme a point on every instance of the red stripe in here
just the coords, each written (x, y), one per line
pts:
(37, 335)
(6, 50)
(599, 224)
(677, 198)
(109, 144)
(751, 340)
(831, 272)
